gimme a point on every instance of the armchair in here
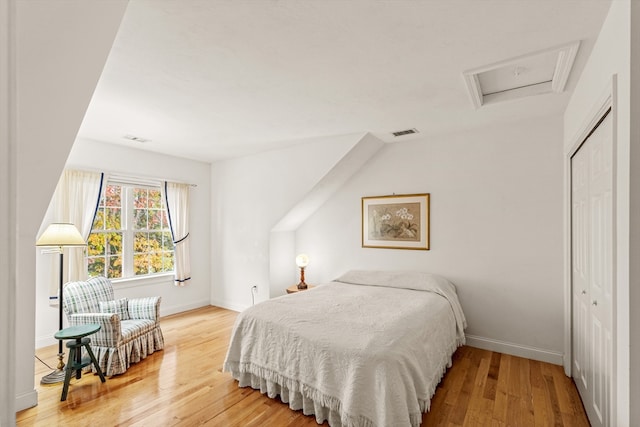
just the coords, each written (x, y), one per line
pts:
(130, 329)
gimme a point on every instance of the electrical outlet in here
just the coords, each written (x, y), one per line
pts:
(254, 288)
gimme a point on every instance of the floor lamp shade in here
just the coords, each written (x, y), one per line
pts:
(59, 235)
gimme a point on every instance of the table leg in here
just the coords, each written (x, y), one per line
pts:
(67, 374)
(79, 358)
(95, 363)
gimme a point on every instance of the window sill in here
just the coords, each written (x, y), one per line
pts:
(132, 282)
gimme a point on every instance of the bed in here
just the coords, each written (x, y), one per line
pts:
(366, 350)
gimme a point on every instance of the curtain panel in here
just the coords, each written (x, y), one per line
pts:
(76, 201)
(177, 200)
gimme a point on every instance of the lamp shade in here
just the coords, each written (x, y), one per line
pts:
(61, 234)
(302, 260)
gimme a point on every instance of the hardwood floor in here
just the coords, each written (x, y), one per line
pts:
(183, 386)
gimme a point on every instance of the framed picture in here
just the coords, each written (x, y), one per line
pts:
(396, 222)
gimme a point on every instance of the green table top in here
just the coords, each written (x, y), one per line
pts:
(73, 332)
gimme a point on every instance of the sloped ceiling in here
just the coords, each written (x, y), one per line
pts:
(215, 79)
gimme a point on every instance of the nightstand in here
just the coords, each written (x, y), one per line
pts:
(293, 289)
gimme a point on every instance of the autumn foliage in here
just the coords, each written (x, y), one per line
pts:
(130, 227)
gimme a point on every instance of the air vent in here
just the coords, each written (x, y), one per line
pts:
(404, 132)
(135, 138)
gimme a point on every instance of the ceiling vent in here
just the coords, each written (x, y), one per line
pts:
(404, 132)
(540, 72)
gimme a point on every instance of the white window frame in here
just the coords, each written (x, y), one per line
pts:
(126, 218)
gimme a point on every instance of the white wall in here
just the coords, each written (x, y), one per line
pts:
(496, 225)
(611, 55)
(110, 158)
(249, 196)
(61, 48)
(496, 228)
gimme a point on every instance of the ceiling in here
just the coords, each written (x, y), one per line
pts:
(214, 79)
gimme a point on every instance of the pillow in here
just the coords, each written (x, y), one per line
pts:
(416, 280)
(118, 306)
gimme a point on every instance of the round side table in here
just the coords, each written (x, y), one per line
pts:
(76, 362)
(293, 289)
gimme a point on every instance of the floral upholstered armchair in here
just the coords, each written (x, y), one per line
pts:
(130, 329)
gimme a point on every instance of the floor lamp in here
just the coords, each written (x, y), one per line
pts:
(59, 235)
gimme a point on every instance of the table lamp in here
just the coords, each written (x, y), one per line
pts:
(302, 261)
(59, 235)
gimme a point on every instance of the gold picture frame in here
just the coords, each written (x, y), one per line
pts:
(396, 222)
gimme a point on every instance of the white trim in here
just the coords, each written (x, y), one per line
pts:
(134, 282)
(8, 119)
(139, 181)
(597, 112)
(233, 307)
(45, 341)
(564, 63)
(513, 349)
(473, 88)
(26, 400)
(607, 100)
(120, 179)
(175, 309)
(566, 57)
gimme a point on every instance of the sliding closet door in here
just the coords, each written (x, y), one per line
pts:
(592, 278)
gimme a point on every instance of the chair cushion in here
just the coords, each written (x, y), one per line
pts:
(119, 307)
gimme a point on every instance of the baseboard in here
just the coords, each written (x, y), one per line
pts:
(233, 307)
(26, 400)
(520, 350)
(46, 340)
(174, 309)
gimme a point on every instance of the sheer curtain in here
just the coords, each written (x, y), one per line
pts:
(76, 199)
(176, 197)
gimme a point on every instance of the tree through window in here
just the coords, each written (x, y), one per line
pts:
(130, 234)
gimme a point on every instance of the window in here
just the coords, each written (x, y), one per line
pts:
(130, 235)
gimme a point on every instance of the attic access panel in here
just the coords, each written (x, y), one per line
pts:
(532, 74)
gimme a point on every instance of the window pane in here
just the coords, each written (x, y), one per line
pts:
(141, 264)
(139, 198)
(151, 246)
(165, 221)
(167, 261)
(96, 244)
(98, 221)
(155, 241)
(140, 219)
(141, 242)
(112, 196)
(155, 199)
(114, 243)
(155, 220)
(113, 219)
(115, 267)
(167, 242)
(96, 267)
(155, 262)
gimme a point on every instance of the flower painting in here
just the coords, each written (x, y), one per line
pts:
(398, 221)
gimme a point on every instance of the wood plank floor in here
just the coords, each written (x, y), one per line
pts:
(183, 386)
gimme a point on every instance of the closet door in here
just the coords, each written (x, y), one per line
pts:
(592, 278)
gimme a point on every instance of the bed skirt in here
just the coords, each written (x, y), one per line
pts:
(302, 397)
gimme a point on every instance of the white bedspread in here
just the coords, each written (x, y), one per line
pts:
(364, 353)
